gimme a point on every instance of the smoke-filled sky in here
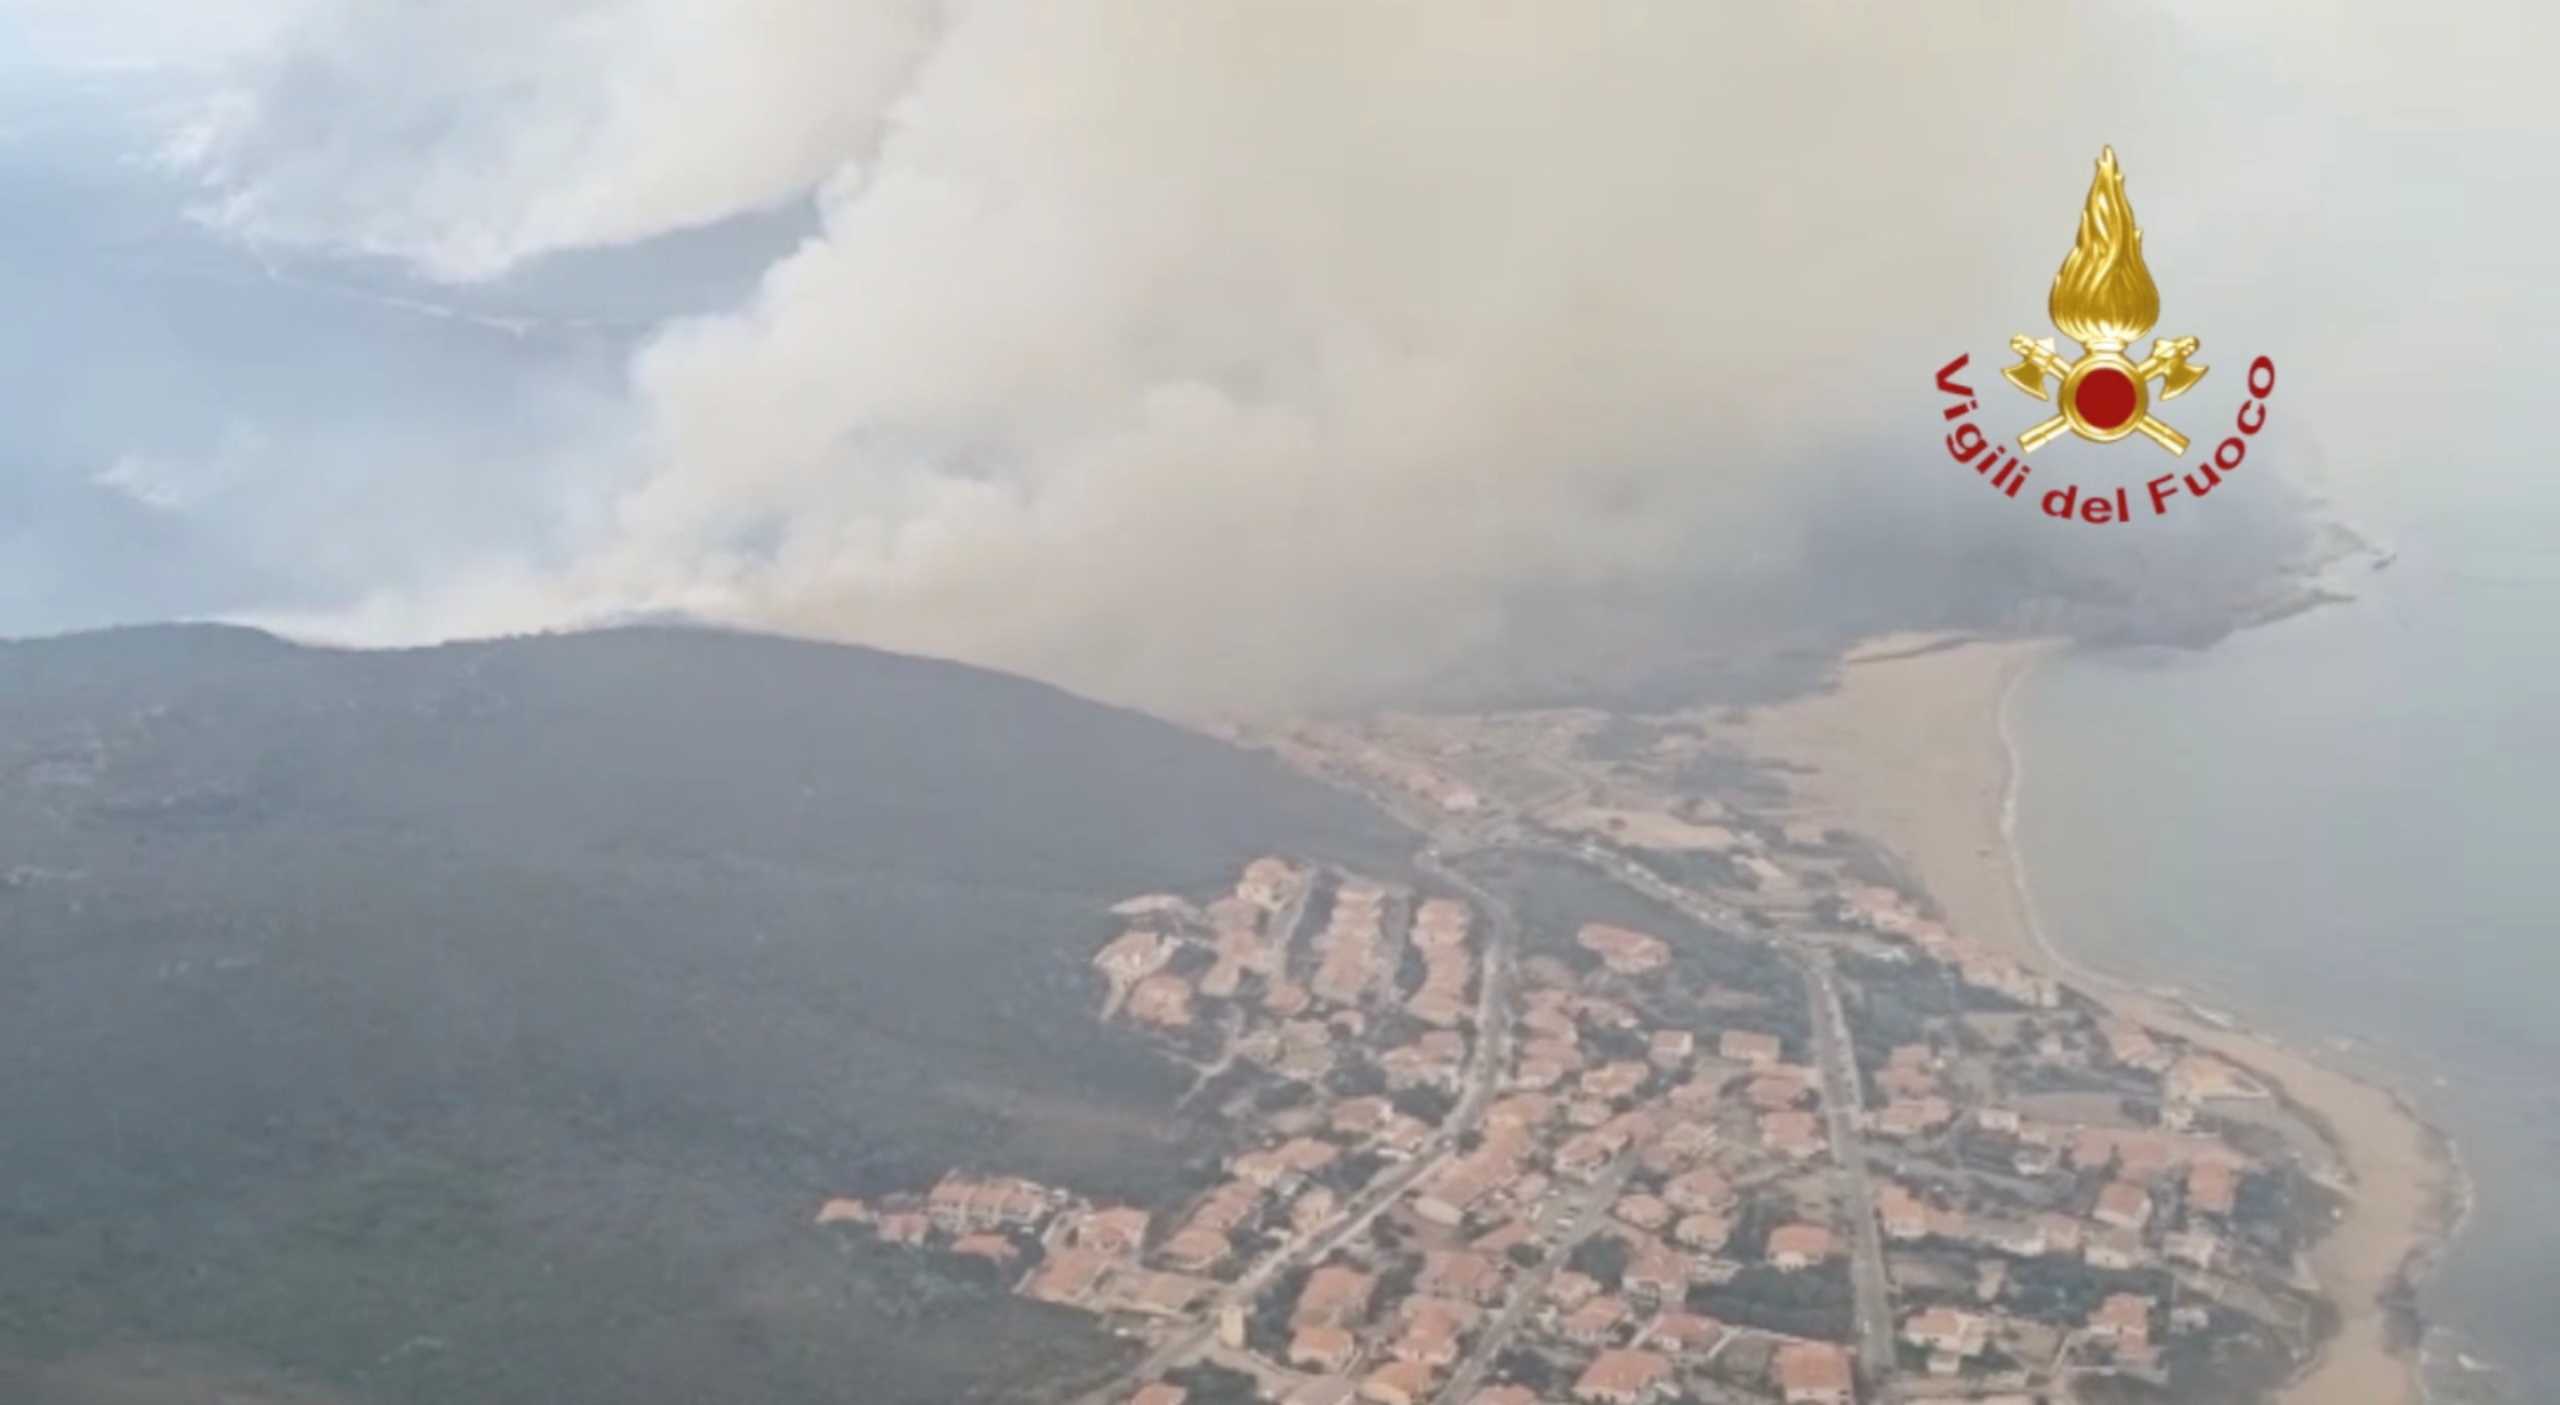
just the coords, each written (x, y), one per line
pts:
(1193, 353)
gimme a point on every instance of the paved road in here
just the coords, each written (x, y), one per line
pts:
(1351, 1221)
(1843, 1100)
(1843, 1105)
(1724, 917)
(1591, 1211)
(1284, 936)
(1485, 1061)
(1492, 1051)
(1835, 1053)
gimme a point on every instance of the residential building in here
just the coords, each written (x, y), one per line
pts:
(1335, 1295)
(1117, 1231)
(1913, 1117)
(2124, 1318)
(1161, 1000)
(1705, 1232)
(2115, 1249)
(1134, 955)
(1067, 1277)
(1792, 1134)
(1701, 1191)
(1594, 1322)
(1623, 1376)
(2123, 1206)
(1793, 1247)
(1778, 1089)
(1814, 1373)
(1749, 1047)
(1196, 1249)
(994, 1248)
(1683, 1333)
(1670, 1048)
(1645, 1212)
(2213, 1188)
(1903, 1215)
(1940, 1329)
(1569, 1290)
(1431, 1332)
(1656, 1272)
(2197, 1247)
(1629, 953)
(1398, 1383)
(1460, 1274)
(1269, 882)
(1331, 1350)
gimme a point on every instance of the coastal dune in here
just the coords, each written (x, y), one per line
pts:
(1910, 750)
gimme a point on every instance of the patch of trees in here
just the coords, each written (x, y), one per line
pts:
(1213, 1384)
(1353, 1078)
(1281, 1095)
(1396, 1284)
(1349, 1173)
(2227, 1369)
(2062, 1290)
(1424, 1102)
(1267, 1330)
(1761, 1212)
(1607, 1045)
(1816, 1302)
(1603, 1257)
(1527, 1367)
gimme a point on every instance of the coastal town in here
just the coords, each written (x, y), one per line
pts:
(1788, 1138)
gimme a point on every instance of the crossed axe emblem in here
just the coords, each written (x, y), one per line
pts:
(2104, 396)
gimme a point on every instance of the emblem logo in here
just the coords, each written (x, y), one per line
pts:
(2104, 299)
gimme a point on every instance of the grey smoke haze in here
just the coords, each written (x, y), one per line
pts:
(1210, 353)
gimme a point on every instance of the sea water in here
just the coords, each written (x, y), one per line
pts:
(2345, 829)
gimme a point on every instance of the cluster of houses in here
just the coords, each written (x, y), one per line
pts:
(1080, 1253)
(1885, 911)
(1348, 961)
(1237, 936)
(2058, 1191)
(2162, 1201)
(1599, 1125)
(1600, 1128)
(1448, 970)
(2150, 1208)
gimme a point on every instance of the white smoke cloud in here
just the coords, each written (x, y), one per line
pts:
(1206, 352)
(469, 136)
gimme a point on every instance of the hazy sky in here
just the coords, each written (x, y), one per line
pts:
(1178, 350)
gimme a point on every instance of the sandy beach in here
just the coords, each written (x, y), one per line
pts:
(1910, 751)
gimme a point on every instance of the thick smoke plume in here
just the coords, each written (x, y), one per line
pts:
(1214, 354)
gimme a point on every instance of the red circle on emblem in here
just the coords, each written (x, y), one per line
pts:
(2105, 397)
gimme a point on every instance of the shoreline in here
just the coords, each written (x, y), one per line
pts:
(2454, 1197)
(1898, 751)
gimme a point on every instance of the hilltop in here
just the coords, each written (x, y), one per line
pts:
(450, 1023)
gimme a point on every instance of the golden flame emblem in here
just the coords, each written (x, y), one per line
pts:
(2104, 299)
